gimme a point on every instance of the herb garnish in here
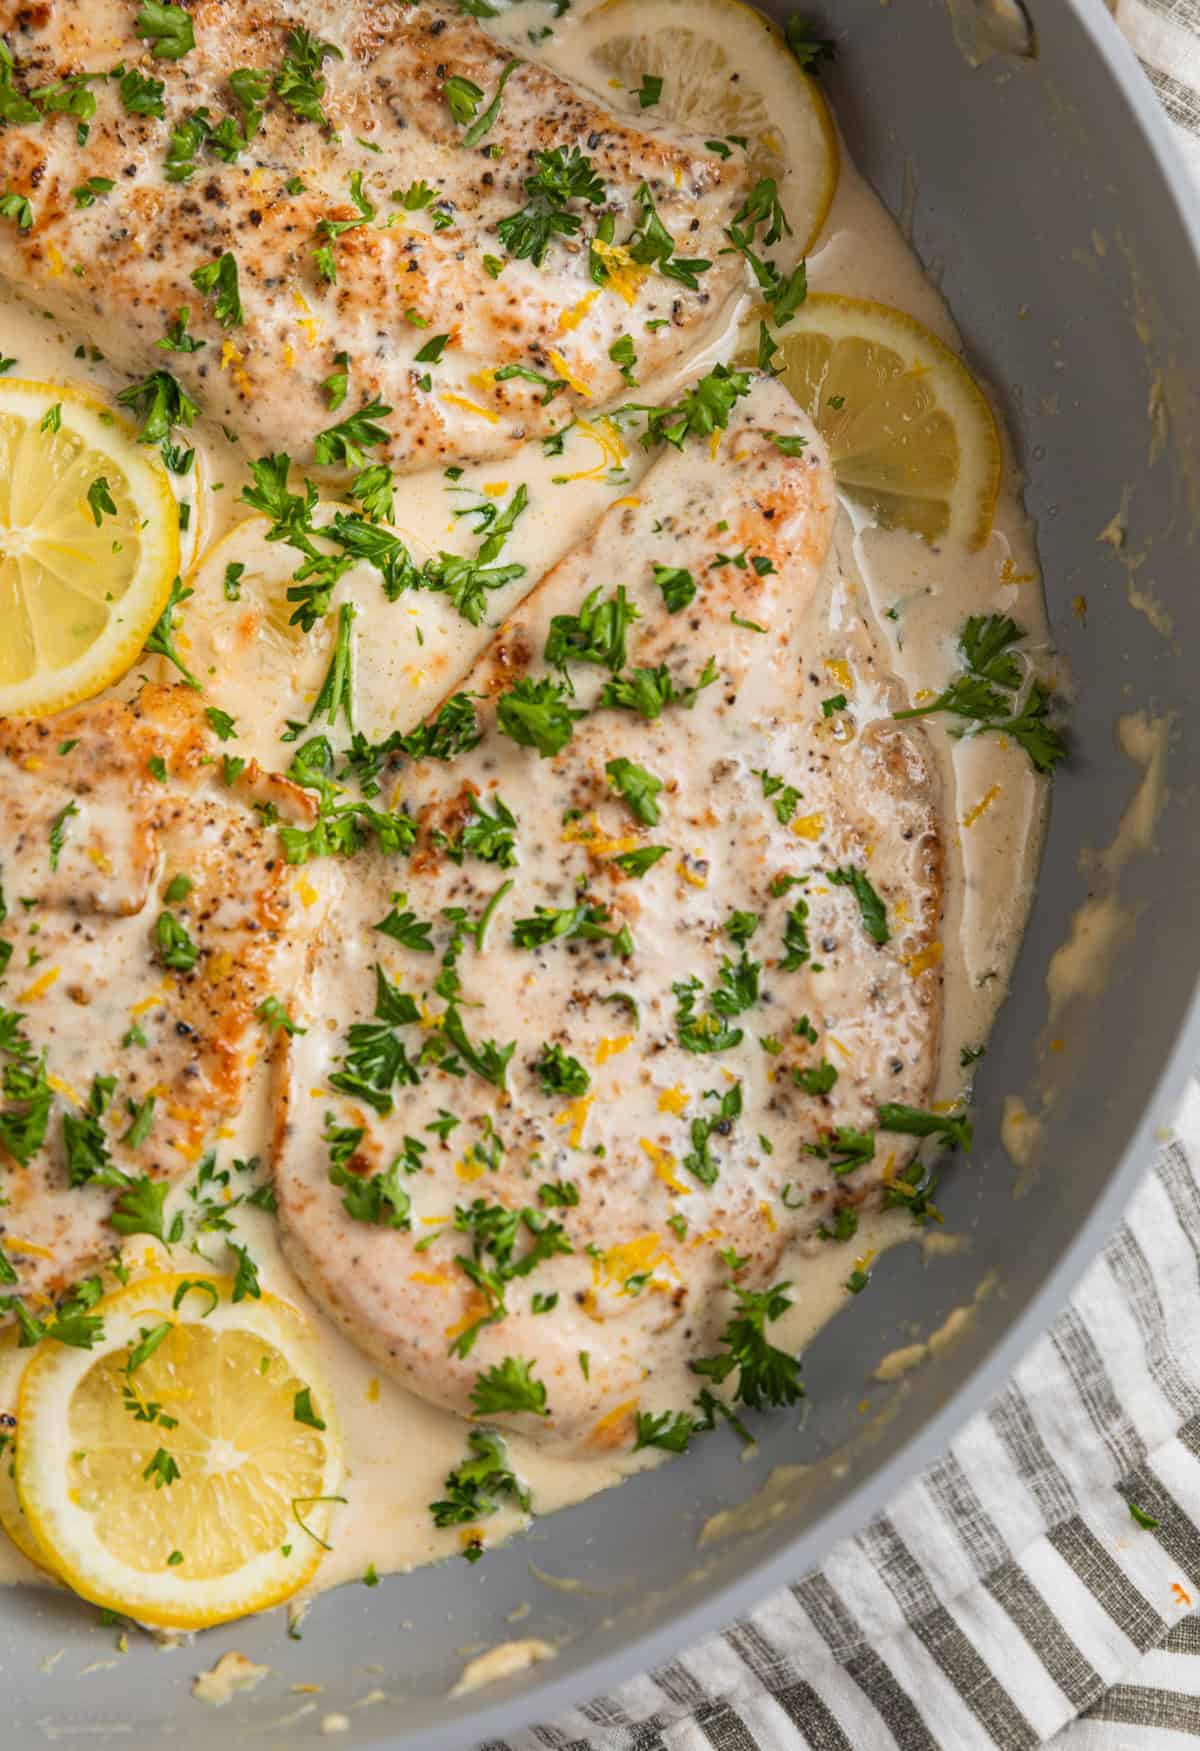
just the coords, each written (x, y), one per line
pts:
(475, 1488)
(871, 907)
(562, 175)
(989, 693)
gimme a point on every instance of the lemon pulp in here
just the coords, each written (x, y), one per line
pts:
(911, 437)
(82, 578)
(189, 1479)
(243, 1459)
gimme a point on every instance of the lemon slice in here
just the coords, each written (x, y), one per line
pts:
(77, 598)
(725, 69)
(911, 437)
(182, 1489)
(12, 1514)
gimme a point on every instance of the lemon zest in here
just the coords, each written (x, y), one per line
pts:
(40, 985)
(484, 413)
(575, 1115)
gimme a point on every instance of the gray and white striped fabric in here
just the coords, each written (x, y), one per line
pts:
(1008, 1598)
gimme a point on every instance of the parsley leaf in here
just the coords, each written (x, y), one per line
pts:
(507, 1388)
(984, 693)
(139, 1209)
(161, 642)
(638, 787)
(954, 1129)
(558, 923)
(167, 28)
(636, 863)
(406, 928)
(874, 913)
(561, 1074)
(651, 245)
(650, 691)
(677, 585)
(299, 81)
(219, 280)
(699, 1159)
(342, 444)
(376, 1059)
(765, 1375)
(707, 1032)
(160, 402)
(809, 49)
(381, 1199)
(535, 715)
(704, 409)
(672, 1431)
(174, 946)
(476, 1487)
(562, 175)
(595, 635)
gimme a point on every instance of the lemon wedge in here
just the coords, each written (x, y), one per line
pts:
(89, 544)
(911, 437)
(726, 71)
(182, 1471)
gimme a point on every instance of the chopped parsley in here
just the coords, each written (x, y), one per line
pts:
(649, 691)
(651, 245)
(809, 48)
(817, 1079)
(870, 906)
(218, 280)
(699, 1160)
(596, 634)
(670, 1430)
(535, 714)
(765, 1375)
(677, 585)
(559, 923)
(561, 1074)
(380, 1199)
(478, 1487)
(954, 1129)
(58, 830)
(989, 692)
(167, 28)
(507, 1388)
(376, 1059)
(638, 787)
(563, 175)
(299, 81)
(636, 863)
(704, 409)
(174, 947)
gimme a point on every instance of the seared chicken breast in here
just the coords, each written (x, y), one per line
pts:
(366, 178)
(148, 921)
(637, 1010)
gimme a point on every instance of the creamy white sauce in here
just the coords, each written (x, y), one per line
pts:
(410, 654)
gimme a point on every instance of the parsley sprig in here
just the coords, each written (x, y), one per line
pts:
(563, 175)
(478, 1487)
(991, 696)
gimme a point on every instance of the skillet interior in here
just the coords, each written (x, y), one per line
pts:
(1011, 172)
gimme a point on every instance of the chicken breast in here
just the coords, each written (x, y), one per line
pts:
(306, 164)
(634, 1006)
(145, 920)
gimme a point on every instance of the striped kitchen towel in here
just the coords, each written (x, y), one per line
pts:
(1165, 34)
(1009, 1598)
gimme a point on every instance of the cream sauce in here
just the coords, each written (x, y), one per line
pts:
(410, 656)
